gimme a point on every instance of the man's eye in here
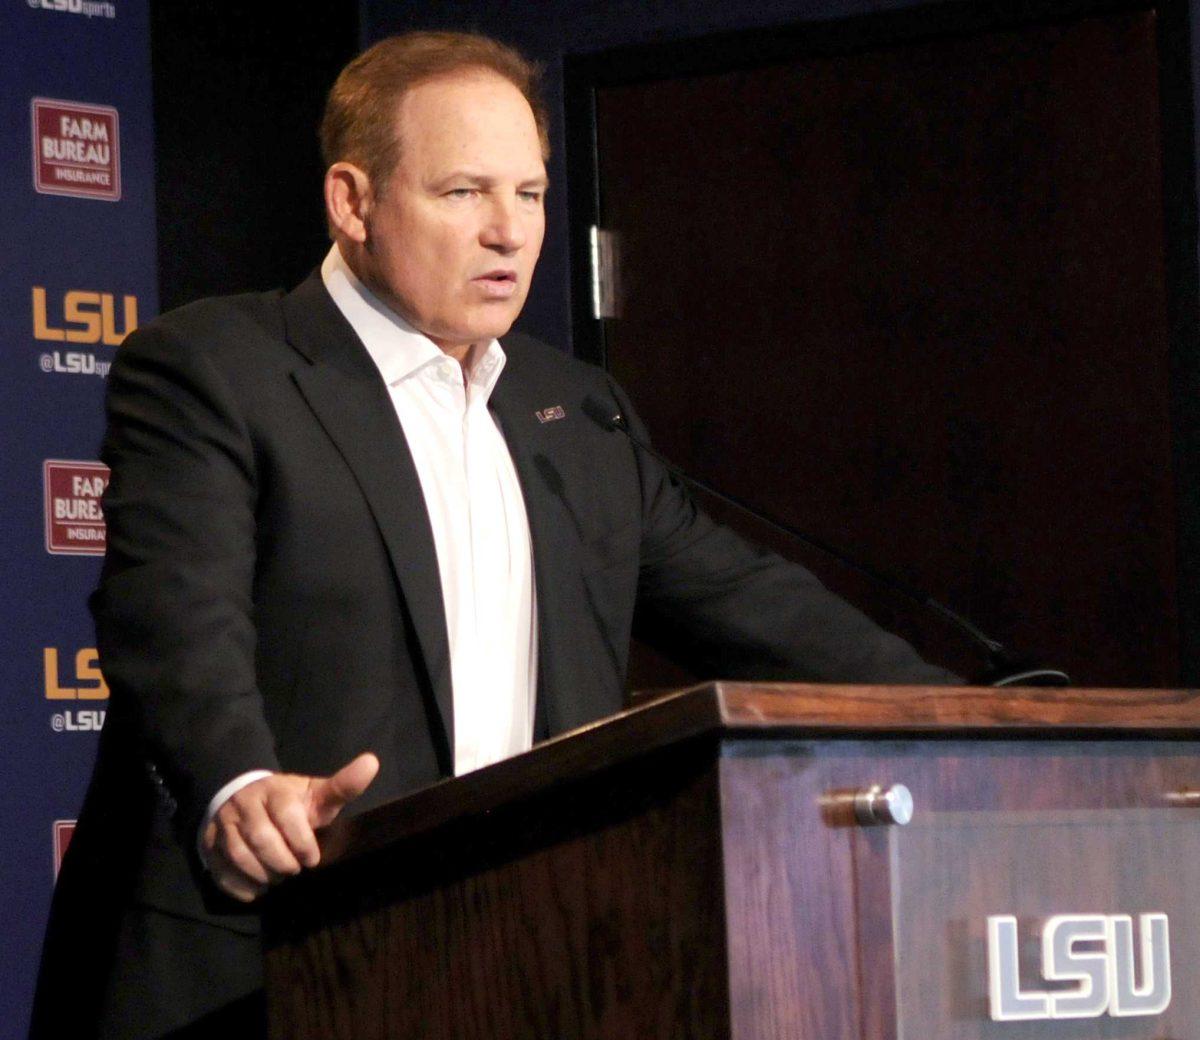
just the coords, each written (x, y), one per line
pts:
(460, 193)
(530, 196)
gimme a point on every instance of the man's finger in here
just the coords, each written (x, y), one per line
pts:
(329, 795)
(258, 831)
(231, 851)
(235, 868)
(288, 813)
(236, 884)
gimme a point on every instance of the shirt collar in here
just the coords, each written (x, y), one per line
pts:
(398, 350)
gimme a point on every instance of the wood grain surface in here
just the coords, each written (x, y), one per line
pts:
(592, 911)
(793, 709)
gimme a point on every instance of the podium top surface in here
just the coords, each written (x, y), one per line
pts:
(778, 711)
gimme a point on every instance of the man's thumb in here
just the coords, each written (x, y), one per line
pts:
(330, 794)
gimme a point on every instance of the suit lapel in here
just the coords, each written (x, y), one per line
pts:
(344, 390)
(515, 406)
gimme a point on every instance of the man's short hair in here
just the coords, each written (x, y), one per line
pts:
(359, 124)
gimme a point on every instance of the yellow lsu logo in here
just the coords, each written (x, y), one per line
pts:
(87, 671)
(87, 317)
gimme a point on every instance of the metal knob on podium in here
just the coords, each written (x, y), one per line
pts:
(877, 805)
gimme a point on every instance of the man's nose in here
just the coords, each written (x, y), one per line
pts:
(504, 229)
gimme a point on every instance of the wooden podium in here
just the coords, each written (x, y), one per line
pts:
(720, 863)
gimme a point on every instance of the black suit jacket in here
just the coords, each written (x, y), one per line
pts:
(271, 599)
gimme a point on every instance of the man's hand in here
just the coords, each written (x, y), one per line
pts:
(264, 832)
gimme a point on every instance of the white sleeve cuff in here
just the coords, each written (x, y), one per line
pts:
(220, 798)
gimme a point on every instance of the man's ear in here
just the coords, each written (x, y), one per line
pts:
(348, 200)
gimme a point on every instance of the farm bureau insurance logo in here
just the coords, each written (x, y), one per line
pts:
(87, 8)
(86, 684)
(76, 149)
(64, 831)
(74, 518)
(84, 317)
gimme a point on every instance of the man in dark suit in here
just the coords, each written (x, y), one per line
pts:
(356, 545)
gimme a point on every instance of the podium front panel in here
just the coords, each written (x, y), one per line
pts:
(1028, 926)
(846, 931)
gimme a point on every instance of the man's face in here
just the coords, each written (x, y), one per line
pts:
(453, 238)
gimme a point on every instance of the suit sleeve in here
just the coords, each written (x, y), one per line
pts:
(173, 610)
(727, 608)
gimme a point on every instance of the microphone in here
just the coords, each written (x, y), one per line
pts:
(1004, 668)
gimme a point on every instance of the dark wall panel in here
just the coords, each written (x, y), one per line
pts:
(917, 304)
(547, 30)
(238, 92)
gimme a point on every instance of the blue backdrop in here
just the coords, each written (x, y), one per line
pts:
(77, 270)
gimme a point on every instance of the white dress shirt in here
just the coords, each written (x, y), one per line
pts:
(477, 512)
